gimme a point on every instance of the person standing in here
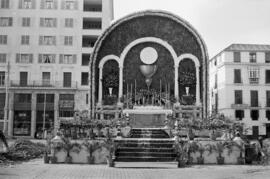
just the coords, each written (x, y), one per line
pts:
(3, 143)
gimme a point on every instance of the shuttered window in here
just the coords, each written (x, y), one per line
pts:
(254, 98)
(237, 76)
(236, 56)
(238, 99)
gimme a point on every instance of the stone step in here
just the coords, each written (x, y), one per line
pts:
(145, 159)
(145, 154)
(149, 136)
(132, 149)
(148, 145)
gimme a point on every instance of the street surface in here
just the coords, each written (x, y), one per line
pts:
(36, 169)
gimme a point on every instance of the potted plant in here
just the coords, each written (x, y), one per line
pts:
(191, 148)
(68, 147)
(111, 146)
(201, 150)
(240, 159)
(181, 153)
(91, 146)
(56, 147)
(219, 149)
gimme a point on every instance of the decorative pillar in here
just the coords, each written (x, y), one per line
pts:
(11, 114)
(100, 86)
(197, 86)
(33, 114)
(176, 85)
(56, 112)
(120, 83)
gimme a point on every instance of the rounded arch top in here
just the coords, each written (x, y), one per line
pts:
(189, 56)
(153, 13)
(107, 58)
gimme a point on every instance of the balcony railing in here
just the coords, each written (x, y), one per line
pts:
(239, 105)
(47, 84)
(254, 80)
(49, 106)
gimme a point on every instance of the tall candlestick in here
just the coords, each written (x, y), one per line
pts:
(160, 91)
(131, 91)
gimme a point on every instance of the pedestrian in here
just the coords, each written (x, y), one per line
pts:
(3, 143)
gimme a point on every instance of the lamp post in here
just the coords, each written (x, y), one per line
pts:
(44, 114)
(6, 98)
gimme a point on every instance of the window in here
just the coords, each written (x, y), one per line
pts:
(27, 4)
(46, 58)
(85, 59)
(255, 131)
(69, 5)
(23, 78)
(2, 78)
(254, 114)
(5, 21)
(49, 4)
(267, 98)
(4, 4)
(3, 58)
(89, 41)
(91, 23)
(216, 79)
(267, 76)
(48, 22)
(68, 22)
(3, 39)
(254, 75)
(267, 57)
(22, 98)
(252, 57)
(47, 40)
(26, 21)
(92, 7)
(236, 56)
(24, 58)
(46, 78)
(67, 59)
(49, 98)
(239, 114)
(87, 100)
(238, 97)
(84, 78)
(25, 40)
(66, 105)
(68, 40)
(237, 76)
(67, 79)
(267, 114)
(254, 98)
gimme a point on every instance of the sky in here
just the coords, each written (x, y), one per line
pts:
(219, 22)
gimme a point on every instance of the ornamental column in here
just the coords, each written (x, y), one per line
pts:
(176, 85)
(100, 86)
(197, 86)
(33, 114)
(120, 94)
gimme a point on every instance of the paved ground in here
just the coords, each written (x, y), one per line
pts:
(35, 169)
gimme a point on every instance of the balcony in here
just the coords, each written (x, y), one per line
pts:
(22, 105)
(43, 84)
(253, 80)
(49, 106)
(239, 106)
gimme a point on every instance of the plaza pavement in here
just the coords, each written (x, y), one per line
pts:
(36, 169)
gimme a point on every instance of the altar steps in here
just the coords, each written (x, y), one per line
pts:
(145, 145)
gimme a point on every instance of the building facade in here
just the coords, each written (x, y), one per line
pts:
(239, 82)
(45, 46)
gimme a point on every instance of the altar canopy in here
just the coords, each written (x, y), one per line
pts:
(149, 58)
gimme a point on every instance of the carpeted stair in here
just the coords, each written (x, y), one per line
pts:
(145, 145)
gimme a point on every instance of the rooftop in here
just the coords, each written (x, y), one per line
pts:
(248, 47)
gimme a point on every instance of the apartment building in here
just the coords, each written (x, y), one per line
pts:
(239, 85)
(45, 46)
